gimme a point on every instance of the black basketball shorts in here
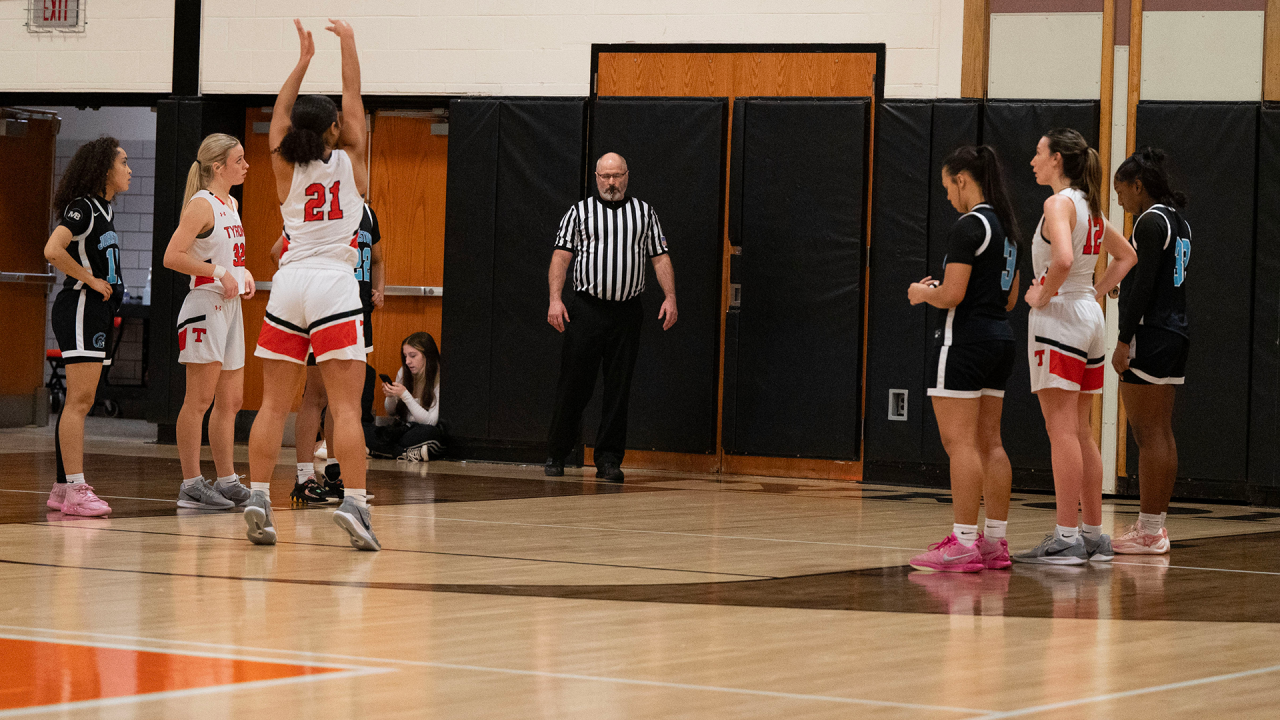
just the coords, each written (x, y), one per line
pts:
(82, 323)
(971, 370)
(1156, 357)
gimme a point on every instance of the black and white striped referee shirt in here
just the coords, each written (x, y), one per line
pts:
(611, 241)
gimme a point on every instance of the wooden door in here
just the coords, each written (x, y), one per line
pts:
(734, 74)
(26, 197)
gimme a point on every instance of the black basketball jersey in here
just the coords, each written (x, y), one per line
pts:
(368, 236)
(1153, 294)
(95, 244)
(978, 240)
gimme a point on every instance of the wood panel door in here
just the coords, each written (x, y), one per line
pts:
(26, 197)
(406, 190)
(732, 75)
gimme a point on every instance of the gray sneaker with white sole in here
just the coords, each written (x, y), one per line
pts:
(354, 518)
(236, 492)
(202, 496)
(257, 515)
(1099, 550)
(1055, 551)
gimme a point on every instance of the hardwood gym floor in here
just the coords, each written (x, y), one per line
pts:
(502, 593)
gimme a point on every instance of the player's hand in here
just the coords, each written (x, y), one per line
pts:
(916, 291)
(378, 298)
(668, 313)
(1120, 358)
(229, 287)
(249, 287)
(341, 28)
(101, 286)
(558, 315)
(307, 46)
(1035, 296)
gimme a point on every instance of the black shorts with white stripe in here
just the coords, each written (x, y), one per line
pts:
(82, 323)
(972, 370)
(1156, 357)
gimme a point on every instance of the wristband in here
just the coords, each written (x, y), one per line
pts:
(218, 272)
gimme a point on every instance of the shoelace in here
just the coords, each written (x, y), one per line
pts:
(87, 492)
(946, 542)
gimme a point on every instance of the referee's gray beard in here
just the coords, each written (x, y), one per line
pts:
(611, 193)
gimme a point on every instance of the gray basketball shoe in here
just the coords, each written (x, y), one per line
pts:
(202, 496)
(1099, 551)
(236, 492)
(257, 515)
(1053, 551)
(355, 520)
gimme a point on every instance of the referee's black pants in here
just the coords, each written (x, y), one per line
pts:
(599, 332)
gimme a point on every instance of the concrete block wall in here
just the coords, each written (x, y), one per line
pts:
(527, 47)
(127, 46)
(135, 129)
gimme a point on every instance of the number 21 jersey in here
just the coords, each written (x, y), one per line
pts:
(322, 214)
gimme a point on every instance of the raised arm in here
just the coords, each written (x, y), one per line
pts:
(354, 136)
(280, 114)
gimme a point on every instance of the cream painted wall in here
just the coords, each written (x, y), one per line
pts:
(1046, 55)
(1200, 55)
(127, 46)
(525, 47)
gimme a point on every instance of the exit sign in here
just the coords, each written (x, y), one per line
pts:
(61, 15)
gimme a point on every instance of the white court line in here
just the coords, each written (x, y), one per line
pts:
(1189, 567)
(302, 656)
(649, 532)
(1127, 693)
(111, 497)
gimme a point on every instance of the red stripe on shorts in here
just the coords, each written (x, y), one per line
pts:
(282, 342)
(334, 337)
(1067, 367)
(182, 339)
(1092, 379)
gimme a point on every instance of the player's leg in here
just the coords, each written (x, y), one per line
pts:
(280, 382)
(344, 383)
(1063, 546)
(1096, 542)
(306, 489)
(958, 426)
(202, 385)
(997, 477)
(227, 401)
(82, 388)
(1150, 412)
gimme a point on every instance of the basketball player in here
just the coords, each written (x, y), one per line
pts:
(1151, 354)
(1066, 338)
(327, 486)
(209, 245)
(319, 163)
(972, 358)
(86, 248)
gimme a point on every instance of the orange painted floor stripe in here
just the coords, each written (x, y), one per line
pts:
(34, 673)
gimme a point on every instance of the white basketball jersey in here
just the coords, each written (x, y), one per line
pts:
(1086, 243)
(223, 246)
(322, 213)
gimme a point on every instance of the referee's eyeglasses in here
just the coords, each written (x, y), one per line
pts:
(612, 176)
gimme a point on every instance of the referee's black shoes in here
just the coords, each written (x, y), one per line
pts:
(610, 472)
(553, 468)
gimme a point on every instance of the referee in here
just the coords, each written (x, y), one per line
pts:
(611, 236)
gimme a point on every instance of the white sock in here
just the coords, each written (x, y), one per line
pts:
(1067, 533)
(1151, 523)
(227, 480)
(305, 470)
(1092, 532)
(75, 478)
(995, 529)
(264, 487)
(192, 481)
(357, 495)
(966, 534)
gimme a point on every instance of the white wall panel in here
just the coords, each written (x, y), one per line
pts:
(1043, 56)
(1202, 55)
(544, 48)
(126, 47)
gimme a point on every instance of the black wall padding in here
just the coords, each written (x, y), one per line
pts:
(799, 346)
(539, 176)
(675, 151)
(1013, 128)
(470, 212)
(1212, 154)
(1264, 402)
(897, 343)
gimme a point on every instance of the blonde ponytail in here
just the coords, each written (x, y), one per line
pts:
(213, 150)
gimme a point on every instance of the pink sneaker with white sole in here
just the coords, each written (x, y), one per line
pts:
(57, 496)
(1137, 541)
(949, 556)
(80, 500)
(995, 553)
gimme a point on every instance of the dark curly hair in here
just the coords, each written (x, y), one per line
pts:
(1147, 165)
(87, 172)
(311, 118)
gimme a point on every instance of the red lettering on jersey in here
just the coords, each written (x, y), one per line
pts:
(234, 231)
(1039, 358)
(237, 254)
(1093, 240)
(199, 333)
(335, 210)
(311, 212)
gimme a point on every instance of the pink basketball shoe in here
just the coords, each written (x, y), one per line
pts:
(80, 500)
(57, 496)
(995, 553)
(1137, 541)
(949, 556)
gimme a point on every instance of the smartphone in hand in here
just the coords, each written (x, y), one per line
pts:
(385, 378)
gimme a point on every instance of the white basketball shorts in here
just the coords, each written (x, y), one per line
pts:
(313, 309)
(1066, 344)
(211, 329)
